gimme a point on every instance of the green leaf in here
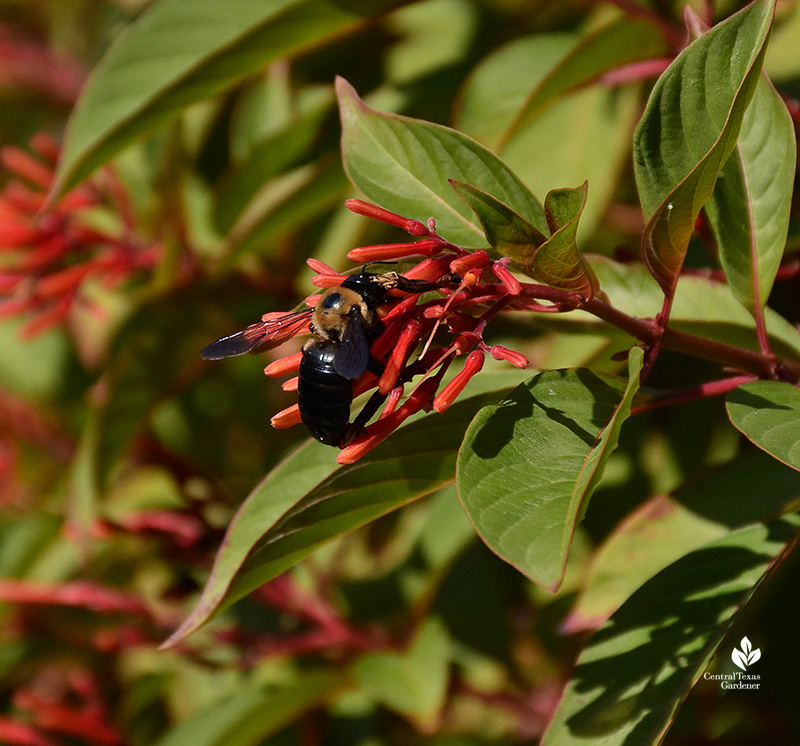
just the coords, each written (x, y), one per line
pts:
(283, 204)
(497, 89)
(663, 529)
(507, 232)
(638, 669)
(529, 465)
(622, 42)
(749, 209)
(267, 158)
(581, 137)
(177, 53)
(689, 129)
(412, 682)
(252, 715)
(307, 500)
(768, 413)
(404, 165)
(557, 261)
(512, 85)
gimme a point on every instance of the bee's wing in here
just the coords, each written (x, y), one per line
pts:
(263, 335)
(352, 356)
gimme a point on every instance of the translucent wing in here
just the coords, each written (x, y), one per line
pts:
(274, 330)
(353, 354)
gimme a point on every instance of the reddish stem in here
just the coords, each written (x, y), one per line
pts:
(703, 391)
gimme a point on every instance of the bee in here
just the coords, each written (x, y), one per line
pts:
(345, 321)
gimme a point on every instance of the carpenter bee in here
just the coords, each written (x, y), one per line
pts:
(345, 321)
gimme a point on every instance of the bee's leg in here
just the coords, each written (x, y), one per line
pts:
(393, 280)
(357, 426)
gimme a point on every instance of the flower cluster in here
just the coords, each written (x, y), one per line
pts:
(410, 322)
(47, 252)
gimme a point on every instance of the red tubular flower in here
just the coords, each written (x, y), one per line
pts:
(409, 225)
(449, 393)
(286, 418)
(285, 366)
(387, 252)
(501, 272)
(475, 260)
(517, 359)
(462, 310)
(51, 250)
(382, 428)
(409, 336)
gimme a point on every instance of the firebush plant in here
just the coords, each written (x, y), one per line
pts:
(615, 198)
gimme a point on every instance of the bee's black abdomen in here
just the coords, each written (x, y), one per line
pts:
(324, 397)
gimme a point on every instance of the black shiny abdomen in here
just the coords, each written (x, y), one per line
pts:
(324, 397)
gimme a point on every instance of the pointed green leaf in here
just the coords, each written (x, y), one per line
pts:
(177, 53)
(663, 529)
(412, 682)
(404, 165)
(270, 156)
(749, 209)
(622, 42)
(557, 261)
(689, 129)
(508, 89)
(768, 413)
(308, 500)
(638, 668)
(507, 232)
(529, 465)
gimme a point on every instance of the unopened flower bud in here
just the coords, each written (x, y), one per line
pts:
(286, 418)
(408, 336)
(450, 393)
(409, 225)
(502, 273)
(517, 359)
(474, 260)
(385, 252)
(285, 366)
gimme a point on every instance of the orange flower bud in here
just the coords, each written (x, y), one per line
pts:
(502, 273)
(290, 384)
(449, 393)
(409, 225)
(284, 366)
(382, 252)
(409, 335)
(474, 260)
(517, 359)
(286, 418)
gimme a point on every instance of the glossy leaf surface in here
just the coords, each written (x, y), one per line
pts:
(663, 529)
(558, 262)
(529, 465)
(307, 500)
(636, 670)
(507, 232)
(749, 209)
(768, 413)
(689, 129)
(404, 165)
(178, 53)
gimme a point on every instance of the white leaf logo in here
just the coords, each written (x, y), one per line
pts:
(746, 656)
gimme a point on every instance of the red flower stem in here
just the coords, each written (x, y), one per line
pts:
(703, 391)
(646, 330)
